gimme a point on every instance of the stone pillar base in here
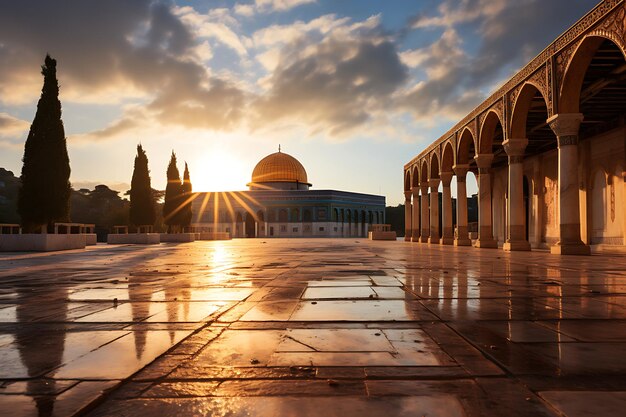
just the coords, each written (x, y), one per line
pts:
(407, 238)
(424, 239)
(434, 241)
(447, 240)
(486, 243)
(516, 245)
(462, 242)
(570, 249)
(415, 239)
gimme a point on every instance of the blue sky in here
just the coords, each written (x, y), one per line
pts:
(352, 88)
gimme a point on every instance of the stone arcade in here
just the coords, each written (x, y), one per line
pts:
(547, 149)
(280, 204)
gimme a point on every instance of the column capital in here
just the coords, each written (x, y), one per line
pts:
(446, 178)
(565, 124)
(415, 191)
(433, 183)
(424, 187)
(407, 195)
(515, 147)
(483, 160)
(460, 171)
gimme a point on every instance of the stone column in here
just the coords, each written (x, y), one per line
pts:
(447, 236)
(408, 212)
(462, 238)
(516, 215)
(565, 126)
(485, 231)
(434, 211)
(416, 216)
(425, 213)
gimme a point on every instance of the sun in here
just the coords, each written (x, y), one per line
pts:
(218, 171)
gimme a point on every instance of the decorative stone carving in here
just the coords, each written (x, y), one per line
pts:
(567, 140)
(612, 187)
(565, 124)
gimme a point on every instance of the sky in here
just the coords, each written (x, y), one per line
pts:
(352, 88)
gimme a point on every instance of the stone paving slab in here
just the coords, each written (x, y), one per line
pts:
(302, 327)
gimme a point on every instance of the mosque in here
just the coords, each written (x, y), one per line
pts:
(280, 203)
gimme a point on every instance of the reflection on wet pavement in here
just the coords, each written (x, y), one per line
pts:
(282, 327)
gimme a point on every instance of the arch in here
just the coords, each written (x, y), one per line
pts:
(434, 166)
(447, 159)
(239, 217)
(488, 130)
(467, 144)
(250, 227)
(376, 218)
(521, 109)
(415, 177)
(260, 216)
(498, 209)
(424, 171)
(307, 216)
(570, 89)
(295, 215)
(283, 216)
(598, 206)
(335, 215)
(407, 180)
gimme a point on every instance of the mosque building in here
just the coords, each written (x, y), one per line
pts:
(280, 203)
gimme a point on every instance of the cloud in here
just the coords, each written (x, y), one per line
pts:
(504, 36)
(117, 51)
(332, 81)
(217, 24)
(268, 6)
(11, 126)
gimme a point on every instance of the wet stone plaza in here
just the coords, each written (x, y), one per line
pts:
(333, 327)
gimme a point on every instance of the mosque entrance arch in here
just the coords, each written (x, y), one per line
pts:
(250, 228)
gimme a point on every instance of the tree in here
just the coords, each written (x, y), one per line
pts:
(186, 215)
(141, 200)
(173, 196)
(44, 196)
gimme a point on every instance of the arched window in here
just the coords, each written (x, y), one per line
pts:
(283, 216)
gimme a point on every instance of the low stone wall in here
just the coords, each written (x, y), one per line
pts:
(31, 242)
(214, 236)
(379, 235)
(178, 237)
(134, 238)
(91, 238)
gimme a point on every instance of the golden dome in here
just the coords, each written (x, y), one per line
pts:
(279, 167)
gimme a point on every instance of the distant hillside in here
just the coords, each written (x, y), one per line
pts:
(9, 187)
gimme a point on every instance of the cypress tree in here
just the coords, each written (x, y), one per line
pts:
(141, 200)
(173, 194)
(186, 215)
(44, 196)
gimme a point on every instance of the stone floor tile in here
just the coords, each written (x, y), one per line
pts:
(586, 403)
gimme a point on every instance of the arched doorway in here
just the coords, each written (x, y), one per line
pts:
(238, 225)
(527, 207)
(250, 226)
